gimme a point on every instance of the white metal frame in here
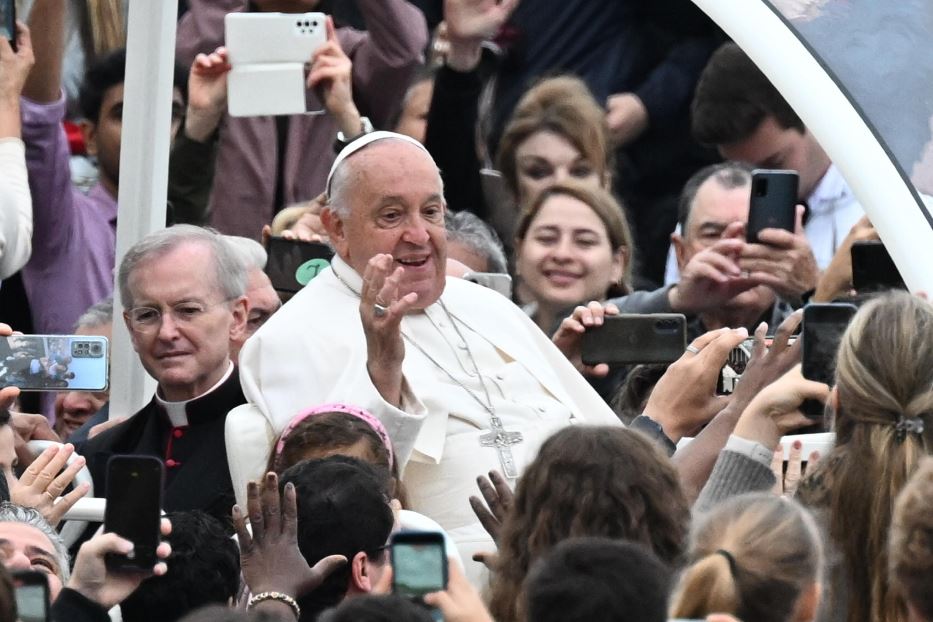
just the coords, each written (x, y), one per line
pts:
(837, 126)
(150, 63)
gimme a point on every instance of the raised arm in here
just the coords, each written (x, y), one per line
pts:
(385, 58)
(15, 200)
(47, 29)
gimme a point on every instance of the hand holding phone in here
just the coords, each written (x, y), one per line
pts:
(134, 507)
(54, 362)
(419, 563)
(823, 327)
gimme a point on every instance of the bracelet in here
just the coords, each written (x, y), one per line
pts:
(279, 596)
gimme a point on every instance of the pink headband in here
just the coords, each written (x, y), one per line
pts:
(355, 411)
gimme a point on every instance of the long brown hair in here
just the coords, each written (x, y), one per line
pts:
(588, 481)
(752, 556)
(884, 379)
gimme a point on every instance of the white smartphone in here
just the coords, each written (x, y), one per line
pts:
(253, 38)
(54, 362)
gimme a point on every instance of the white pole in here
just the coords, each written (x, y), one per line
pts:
(900, 220)
(147, 103)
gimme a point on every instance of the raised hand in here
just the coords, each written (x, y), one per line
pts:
(569, 335)
(469, 23)
(44, 481)
(207, 94)
(269, 556)
(381, 312)
(498, 497)
(108, 588)
(685, 397)
(331, 77)
(783, 261)
(712, 276)
(775, 411)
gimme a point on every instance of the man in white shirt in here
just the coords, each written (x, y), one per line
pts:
(462, 380)
(737, 110)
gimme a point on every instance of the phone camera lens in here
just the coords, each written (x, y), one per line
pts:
(314, 24)
(95, 348)
(307, 23)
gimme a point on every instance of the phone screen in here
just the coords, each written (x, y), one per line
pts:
(823, 327)
(134, 507)
(419, 568)
(8, 21)
(292, 264)
(54, 362)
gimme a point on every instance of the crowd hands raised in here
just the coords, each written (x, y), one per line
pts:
(415, 390)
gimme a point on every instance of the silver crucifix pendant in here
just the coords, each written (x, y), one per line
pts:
(503, 440)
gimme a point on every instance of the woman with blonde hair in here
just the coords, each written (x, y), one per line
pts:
(757, 557)
(883, 405)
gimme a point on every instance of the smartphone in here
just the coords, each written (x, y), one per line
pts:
(134, 509)
(737, 361)
(823, 326)
(253, 38)
(8, 21)
(32, 595)
(495, 281)
(631, 339)
(873, 269)
(419, 563)
(293, 263)
(54, 362)
(773, 204)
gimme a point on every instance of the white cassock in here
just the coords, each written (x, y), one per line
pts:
(313, 351)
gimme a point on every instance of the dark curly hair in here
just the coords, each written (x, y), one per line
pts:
(589, 481)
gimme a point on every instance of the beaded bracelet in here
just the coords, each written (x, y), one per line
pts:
(285, 598)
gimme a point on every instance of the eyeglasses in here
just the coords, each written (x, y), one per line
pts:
(148, 319)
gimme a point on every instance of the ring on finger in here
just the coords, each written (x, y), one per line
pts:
(693, 349)
(380, 310)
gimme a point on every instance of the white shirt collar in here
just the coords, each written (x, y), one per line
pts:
(177, 411)
(831, 190)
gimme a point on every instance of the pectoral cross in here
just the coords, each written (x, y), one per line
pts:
(502, 440)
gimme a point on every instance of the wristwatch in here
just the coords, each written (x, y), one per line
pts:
(342, 141)
(653, 430)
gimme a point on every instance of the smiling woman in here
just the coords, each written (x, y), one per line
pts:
(572, 245)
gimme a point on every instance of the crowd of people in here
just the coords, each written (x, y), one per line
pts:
(585, 159)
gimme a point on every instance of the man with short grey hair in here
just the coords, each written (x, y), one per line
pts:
(183, 291)
(474, 243)
(261, 298)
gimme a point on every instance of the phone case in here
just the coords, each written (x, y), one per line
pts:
(273, 37)
(635, 339)
(54, 362)
(773, 202)
(292, 264)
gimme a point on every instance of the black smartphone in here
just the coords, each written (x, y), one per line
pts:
(631, 339)
(8, 21)
(32, 595)
(873, 269)
(773, 204)
(134, 508)
(54, 362)
(823, 326)
(419, 563)
(293, 263)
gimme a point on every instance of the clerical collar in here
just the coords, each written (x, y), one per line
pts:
(346, 274)
(177, 411)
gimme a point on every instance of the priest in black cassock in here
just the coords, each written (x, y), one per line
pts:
(183, 292)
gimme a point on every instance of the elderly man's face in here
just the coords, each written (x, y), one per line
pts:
(187, 351)
(714, 208)
(396, 207)
(24, 547)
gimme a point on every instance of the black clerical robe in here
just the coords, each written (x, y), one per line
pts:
(197, 476)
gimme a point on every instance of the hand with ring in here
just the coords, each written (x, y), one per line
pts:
(381, 312)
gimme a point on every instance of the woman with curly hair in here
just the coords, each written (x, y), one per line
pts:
(588, 481)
